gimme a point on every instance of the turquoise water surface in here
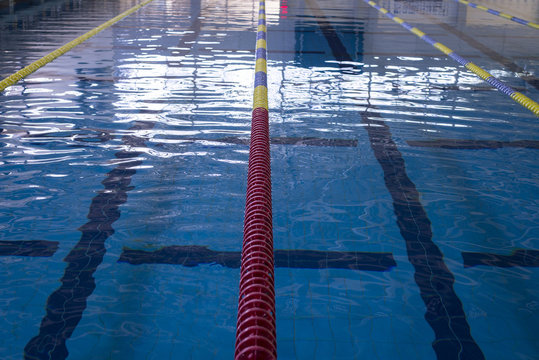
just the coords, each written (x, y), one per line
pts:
(405, 188)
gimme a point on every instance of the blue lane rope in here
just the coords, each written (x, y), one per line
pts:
(506, 89)
(499, 13)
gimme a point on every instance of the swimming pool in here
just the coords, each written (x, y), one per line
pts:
(395, 172)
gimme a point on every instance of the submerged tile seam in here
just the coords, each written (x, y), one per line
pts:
(518, 97)
(444, 310)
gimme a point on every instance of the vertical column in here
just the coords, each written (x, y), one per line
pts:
(255, 332)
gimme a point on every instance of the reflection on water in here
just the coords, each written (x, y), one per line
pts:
(135, 142)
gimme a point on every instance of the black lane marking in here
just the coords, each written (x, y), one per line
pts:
(65, 305)
(312, 141)
(34, 248)
(336, 17)
(397, 33)
(519, 257)
(194, 255)
(97, 135)
(444, 314)
(458, 144)
(101, 136)
(296, 52)
(214, 50)
(434, 54)
(435, 281)
(508, 63)
(186, 41)
(337, 47)
(306, 141)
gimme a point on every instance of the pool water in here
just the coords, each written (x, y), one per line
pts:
(405, 188)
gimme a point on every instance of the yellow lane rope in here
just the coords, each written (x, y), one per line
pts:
(506, 89)
(13, 79)
(500, 14)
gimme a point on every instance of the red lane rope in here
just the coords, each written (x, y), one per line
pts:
(255, 333)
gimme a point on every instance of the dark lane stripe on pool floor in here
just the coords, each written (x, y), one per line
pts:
(444, 309)
(66, 305)
(444, 313)
(519, 257)
(338, 49)
(34, 248)
(194, 255)
(104, 136)
(312, 141)
(306, 141)
(458, 144)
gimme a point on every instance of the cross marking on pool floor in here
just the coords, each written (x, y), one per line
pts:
(194, 255)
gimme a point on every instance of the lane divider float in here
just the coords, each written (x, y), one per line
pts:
(16, 77)
(506, 89)
(255, 329)
(499, 13)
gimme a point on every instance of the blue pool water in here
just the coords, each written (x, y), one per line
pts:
(405, 189)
